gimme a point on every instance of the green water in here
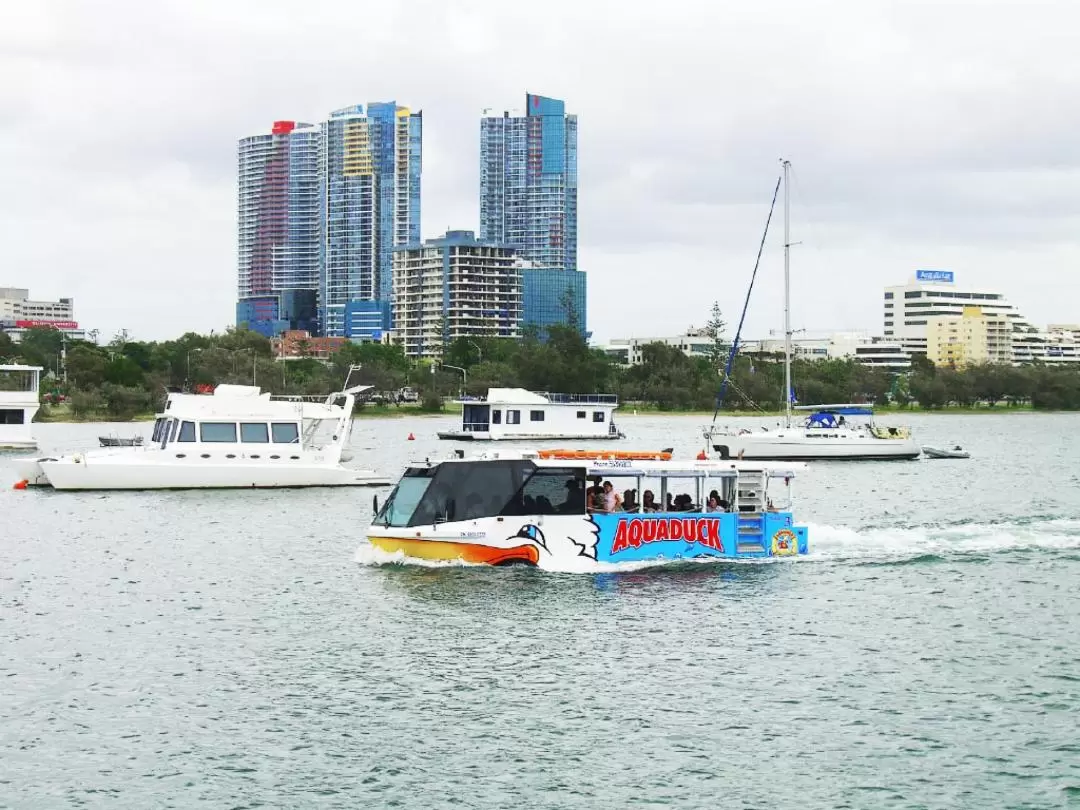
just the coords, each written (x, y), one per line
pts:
(224, 649)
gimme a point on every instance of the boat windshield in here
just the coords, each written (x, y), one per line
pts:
(473, 490)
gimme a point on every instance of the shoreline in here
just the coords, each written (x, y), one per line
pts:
(400, 412)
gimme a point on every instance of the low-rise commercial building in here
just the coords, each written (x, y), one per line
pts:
(18, 312)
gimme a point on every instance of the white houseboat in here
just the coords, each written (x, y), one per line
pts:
(235, 437)
(540, 508)
(19, 402)
(515, 414)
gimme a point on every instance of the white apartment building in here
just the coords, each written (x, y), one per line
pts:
(627, 351)
(19, 313)
(932, 301)
(453, 287)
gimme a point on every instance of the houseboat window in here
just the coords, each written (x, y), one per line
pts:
(187, 432)
(217, 431)
(550, 491)
(496, 417)
(581, 414)
(11, 417)
(536, 416)
(513, 417)
(158, 425)
(284, 432)
(598, 416)
(254, 433)
(399, 507)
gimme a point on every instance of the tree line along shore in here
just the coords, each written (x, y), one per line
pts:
(126, 378)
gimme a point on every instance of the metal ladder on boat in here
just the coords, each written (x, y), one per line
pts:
(750, 500)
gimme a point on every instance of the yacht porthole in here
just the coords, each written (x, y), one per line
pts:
(230, 455)
(275, 457)
(181, 455)
(295, 458)
(205, 455)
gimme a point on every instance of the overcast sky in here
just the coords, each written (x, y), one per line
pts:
(936, 135)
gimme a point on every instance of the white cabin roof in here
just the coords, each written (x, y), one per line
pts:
(672, 468)
(522, 396)
(250, 402)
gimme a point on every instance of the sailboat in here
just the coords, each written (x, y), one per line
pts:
(835, 432)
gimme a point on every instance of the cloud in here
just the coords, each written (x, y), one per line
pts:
(938, 135)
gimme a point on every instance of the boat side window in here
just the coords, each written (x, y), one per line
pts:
(469, 490)
(284, 432)
(254, 433)
(550, 491)
(158, 425)
(581, 414)
(187, 432)
(513, 417)
(217, 432)
(496, 417)
(172, 430)
(598, 416)
(536, 416)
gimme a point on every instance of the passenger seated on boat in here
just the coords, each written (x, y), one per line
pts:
(713, 505)
(629, 503)
(596, 501)
(648, 502)
(544, 506)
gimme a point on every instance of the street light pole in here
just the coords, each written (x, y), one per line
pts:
(464, 377)
(193, 351)
(479, 353)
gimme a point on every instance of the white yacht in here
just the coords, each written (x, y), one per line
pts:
(19, 402)
(235, 437)
(840, 432)
(515, 414)
(836, 432)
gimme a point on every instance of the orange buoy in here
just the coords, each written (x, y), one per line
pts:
(412, 438)
(21, 484)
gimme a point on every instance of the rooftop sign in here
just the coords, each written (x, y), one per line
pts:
(942, 276)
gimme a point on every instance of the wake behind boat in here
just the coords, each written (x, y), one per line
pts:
(235, 437)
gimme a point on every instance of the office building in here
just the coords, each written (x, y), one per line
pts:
(528, 197)
(454, 287)
(18, 312)
(912, 309)
(278, 228)
(371, 204)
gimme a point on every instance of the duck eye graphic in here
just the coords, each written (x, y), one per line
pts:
(533, 533)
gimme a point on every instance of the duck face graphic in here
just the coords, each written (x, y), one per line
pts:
(575, 537)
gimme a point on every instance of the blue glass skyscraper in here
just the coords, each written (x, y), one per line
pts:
(370, 204)
(528, 198)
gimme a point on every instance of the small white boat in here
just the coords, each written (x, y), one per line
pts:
(516, 414)
(19, 402)
(235, 437)
(938, 452)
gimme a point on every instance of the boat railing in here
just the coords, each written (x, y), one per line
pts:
(580, 399)
(298, 397)
(475, 427)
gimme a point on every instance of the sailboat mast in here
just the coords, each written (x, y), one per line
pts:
(787, 295)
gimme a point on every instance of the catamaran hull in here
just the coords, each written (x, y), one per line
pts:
(783, 449)
(68, 474)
